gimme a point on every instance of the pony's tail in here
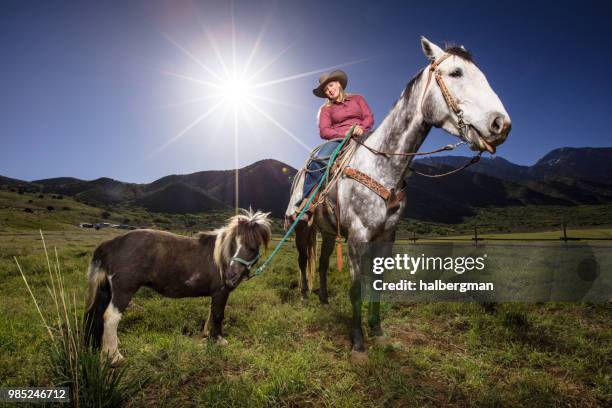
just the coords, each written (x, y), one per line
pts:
(99, 298)
(311, 265)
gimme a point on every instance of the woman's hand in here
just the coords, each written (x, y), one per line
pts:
(358, 130)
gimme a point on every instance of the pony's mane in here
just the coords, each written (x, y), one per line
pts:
(252, 227)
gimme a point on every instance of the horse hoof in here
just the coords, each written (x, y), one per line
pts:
(376, 331)
(382, 341)
(359, 357)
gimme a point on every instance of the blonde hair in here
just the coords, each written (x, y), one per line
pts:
(341, 97)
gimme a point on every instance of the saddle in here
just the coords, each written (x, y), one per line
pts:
(339, 168)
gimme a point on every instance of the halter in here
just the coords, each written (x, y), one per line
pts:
(247, 264)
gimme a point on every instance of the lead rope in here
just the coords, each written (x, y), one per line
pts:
(339, 260)
(331, 160)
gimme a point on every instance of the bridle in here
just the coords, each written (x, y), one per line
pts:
(464, 127)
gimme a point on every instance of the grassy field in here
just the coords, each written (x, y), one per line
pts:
(285, 352)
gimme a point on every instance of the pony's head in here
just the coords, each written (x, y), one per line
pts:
(468, 107)
(238, 243)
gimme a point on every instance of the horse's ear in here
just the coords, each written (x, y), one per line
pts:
(431, 50)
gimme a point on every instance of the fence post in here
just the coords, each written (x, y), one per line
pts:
(564, 232)
(476, 235)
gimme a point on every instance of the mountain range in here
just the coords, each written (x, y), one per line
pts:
(565, 176)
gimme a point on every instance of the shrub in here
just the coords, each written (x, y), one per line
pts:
(91, 379)
(50, 208)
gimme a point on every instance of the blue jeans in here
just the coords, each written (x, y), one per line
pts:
(317, 165)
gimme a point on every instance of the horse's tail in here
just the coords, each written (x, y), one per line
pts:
(311, 266)
(99, 298)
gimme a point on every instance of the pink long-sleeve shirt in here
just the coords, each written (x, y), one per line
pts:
(335, 120)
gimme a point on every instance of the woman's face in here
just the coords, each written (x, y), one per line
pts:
(332, 90)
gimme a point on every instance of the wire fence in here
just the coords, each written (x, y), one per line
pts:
(477, 236)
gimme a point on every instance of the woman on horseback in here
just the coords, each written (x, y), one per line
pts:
(336, 116)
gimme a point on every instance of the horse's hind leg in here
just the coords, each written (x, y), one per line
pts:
(121, 296)
(302, 243)
(110, 342)
(327, 247)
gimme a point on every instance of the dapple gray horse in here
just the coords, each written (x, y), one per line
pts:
(210, 264)
(451, 93)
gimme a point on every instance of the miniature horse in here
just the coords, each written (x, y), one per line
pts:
(209, 264)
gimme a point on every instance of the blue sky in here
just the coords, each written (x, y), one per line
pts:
(92, 89)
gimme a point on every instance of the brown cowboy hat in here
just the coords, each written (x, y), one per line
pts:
(337, 75)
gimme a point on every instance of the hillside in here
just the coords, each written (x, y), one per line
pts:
(585, 163)
(563, 177)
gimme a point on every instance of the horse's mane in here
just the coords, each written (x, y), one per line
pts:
(253, 228)
(452, 49)
(459, 51)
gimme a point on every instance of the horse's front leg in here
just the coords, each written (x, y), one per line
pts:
(214, 324)
(383, 249)
(355, 296)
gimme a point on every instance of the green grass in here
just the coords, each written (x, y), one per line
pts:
(283, 352)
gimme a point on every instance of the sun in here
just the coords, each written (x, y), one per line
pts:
(236, 90)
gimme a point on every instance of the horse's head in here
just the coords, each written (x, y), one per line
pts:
(458, 98)
(238, 244)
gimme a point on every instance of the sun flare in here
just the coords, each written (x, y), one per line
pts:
(237, 84)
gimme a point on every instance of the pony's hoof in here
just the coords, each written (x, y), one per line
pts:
(118, 360)
(359, 357)
(220, 341)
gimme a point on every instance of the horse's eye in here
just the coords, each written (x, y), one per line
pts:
(456, 73)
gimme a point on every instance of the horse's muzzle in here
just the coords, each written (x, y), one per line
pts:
(499, 128)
